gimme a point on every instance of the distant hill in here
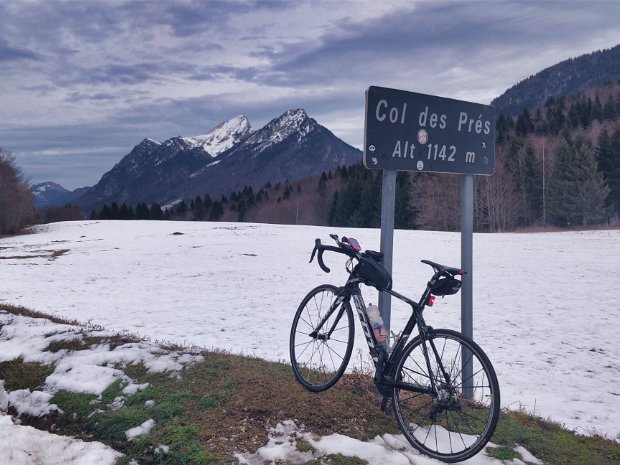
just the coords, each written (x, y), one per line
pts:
(49, 194)
(566, 78)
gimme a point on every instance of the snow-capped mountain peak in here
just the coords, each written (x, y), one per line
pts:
(290, 122)
(49, 186)
(293, 122)
(223, 136)
(227, 158)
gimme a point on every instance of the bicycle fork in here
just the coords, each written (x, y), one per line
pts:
(327, 335)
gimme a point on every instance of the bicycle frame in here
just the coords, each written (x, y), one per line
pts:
(383, 360)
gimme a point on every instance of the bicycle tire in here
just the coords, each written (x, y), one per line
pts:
(448, 425)
(319, 362)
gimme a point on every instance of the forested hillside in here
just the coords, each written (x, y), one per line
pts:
(568, 77)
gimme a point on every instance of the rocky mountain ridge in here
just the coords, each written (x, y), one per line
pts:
(225, 159)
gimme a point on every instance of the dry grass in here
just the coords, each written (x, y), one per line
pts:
(555, 229)
(238, 398)
(49, 254)
(16, 310)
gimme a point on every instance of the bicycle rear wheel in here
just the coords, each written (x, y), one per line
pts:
(321, 342)
(457, 419)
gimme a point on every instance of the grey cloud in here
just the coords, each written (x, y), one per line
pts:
(122, 74)
(206, 73)
(115, 74)
(433, 35)
(197, 17)
(99, 96)
(10, 53)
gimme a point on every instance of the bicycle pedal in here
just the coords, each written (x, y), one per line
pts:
(386, 406)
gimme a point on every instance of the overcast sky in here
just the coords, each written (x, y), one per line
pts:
(82, 82)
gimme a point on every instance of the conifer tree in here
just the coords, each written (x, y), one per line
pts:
(609, 109)
(198, 210)
(322, 187)
(142, 211)
(115, 212)
(216, 211)
(608, 158)
(242, 209)
(125, 213)
(105, 212)
(181, 208)
(404, 214)
(577, 189)
(524, 123)
(156, 212)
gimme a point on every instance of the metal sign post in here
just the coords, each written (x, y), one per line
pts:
(388, 204)
(407, 131)
(467, 312)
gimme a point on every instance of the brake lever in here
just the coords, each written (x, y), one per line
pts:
(317, 244)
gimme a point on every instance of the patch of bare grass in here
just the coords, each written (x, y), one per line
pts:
(49, 254)
(58, 253)
(18, 310)
(18, 374)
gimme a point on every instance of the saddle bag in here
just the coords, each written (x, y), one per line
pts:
(446, 286)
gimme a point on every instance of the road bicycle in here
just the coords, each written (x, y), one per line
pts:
(441, 386)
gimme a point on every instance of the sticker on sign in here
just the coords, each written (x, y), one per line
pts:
(407, 131)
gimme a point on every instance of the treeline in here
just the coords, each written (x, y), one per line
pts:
(561, 114)
(200, 208)
(142, 211)
(16, 201)
(358, 203)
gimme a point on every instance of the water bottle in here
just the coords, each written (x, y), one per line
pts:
(377, 325)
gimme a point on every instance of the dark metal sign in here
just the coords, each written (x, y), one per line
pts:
(407, 131)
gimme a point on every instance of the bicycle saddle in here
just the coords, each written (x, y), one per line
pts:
(444, 268)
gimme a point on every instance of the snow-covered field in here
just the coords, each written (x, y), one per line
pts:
(546, 306)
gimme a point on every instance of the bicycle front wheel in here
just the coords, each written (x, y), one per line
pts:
(457, 415)
(321, 339)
